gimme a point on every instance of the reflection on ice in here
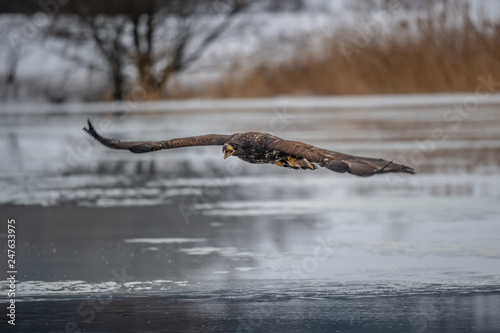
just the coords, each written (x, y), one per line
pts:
(225, 252)
(480, 249)
(165, 240)
(293, 289)
(341, 190)
(455, 207)
(179, 221)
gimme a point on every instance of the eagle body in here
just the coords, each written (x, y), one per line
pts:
(254, 150)
(257, 155)
(264, 148)
(264, 156)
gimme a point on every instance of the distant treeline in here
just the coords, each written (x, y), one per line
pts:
(142, 48)
(140, 45)
(117, 7)
(91, 7)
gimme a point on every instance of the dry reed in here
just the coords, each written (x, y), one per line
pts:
(430, 57)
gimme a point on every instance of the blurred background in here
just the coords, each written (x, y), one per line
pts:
(184, 240)
(59, 51)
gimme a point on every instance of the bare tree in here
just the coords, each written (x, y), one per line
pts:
(158, 39)
(12, 58)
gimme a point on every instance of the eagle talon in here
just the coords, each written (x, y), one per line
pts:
(291, 161)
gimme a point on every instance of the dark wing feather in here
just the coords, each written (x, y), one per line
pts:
(149, 146)
(339, 162)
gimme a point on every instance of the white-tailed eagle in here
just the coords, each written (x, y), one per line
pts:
(256, 147)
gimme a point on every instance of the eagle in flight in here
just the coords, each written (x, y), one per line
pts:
(261, 148)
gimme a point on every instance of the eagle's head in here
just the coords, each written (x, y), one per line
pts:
(231, 149)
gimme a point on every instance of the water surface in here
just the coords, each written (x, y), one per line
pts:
(185, 241)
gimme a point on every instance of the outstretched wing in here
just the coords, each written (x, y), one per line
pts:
(339, 162)
(149, 146)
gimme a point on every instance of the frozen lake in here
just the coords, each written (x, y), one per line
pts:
(183, 240)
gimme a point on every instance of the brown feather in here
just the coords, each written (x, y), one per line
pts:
(149, 146)
(338, 162)
(255, 147)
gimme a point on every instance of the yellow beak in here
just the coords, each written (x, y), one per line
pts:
(228, 152)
